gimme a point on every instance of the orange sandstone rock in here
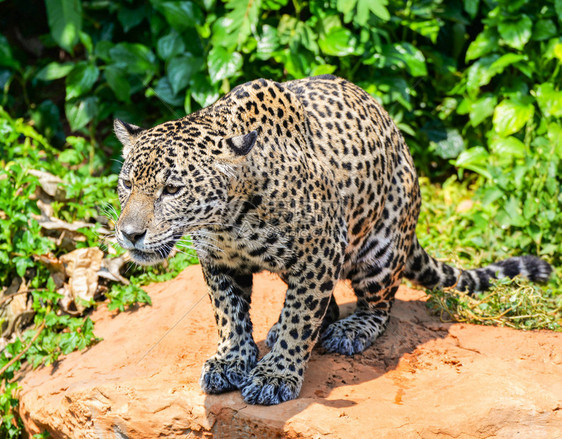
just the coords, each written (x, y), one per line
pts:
(422, 378)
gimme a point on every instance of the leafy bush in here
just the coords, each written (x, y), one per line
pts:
(150, 61)
(511, 95)
(29, 249)
(454, 75)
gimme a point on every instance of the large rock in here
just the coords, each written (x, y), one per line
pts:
(423, 378)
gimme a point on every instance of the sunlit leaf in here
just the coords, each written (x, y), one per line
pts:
(223, 64)
(54, 70)
(484, 43)
(338, 42)
(511, 115)
(65, 21)
(482, 109)
(516, 33)
(242, 19)
(450, 145)
(81, 80)
(79, 113)
(549, 99)
(406, 55)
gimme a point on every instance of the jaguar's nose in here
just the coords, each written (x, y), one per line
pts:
(133, 235)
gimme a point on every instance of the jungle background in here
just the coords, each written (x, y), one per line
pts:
(474, 85)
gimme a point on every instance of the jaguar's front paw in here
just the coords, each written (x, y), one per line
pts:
(222, 375)
(268, 385)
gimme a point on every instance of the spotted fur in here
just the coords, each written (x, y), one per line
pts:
(310, 179)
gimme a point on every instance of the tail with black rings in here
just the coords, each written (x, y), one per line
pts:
(426, 271)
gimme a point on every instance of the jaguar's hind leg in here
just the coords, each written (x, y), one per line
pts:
(375, 289)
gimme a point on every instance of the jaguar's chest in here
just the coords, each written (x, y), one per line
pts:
(247, 248)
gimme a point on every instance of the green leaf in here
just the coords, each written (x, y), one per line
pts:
(295, 33)
(406, 55)
(274, 5)
(507, 148)
(516, 33)
(555, 138)
(482, 71)
(46, 117)
(482, 109)
(129, 18)
(169, 46)
(513, 214)
(427, 28)
(549, 100)
(474, 159)
(203, 91)
(484, 43)
(79, 113)
(54, 70)
(544, 29)
(471, 7)
(6, 57)
(268, 42)
(70, 156)
(511, 115)
(366, 7)
(346, 6)
(323, 69)
(117, 80)
(450, 146)
(21, 266)
(87, 42)
(338, 42)
(65, 21)
(81, 80)
(499, 65)
(180, 69)
(242, 18)
(179, 14)
(531, 207)
(164, 92)
(136, 59)
(558, 8)
(223, 64)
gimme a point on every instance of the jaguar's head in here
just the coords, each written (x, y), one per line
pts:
(174, 180)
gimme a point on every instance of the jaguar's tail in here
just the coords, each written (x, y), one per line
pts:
(430, 273)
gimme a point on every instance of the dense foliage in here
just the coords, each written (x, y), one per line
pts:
(475, 86)
(454, 75)
(474, 83)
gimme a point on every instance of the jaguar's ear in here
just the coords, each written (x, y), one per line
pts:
(127, 134)
(239, 147)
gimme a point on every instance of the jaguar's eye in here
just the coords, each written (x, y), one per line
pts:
(127, 183)
(171, 190)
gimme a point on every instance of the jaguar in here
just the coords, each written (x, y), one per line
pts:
(310, 179)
